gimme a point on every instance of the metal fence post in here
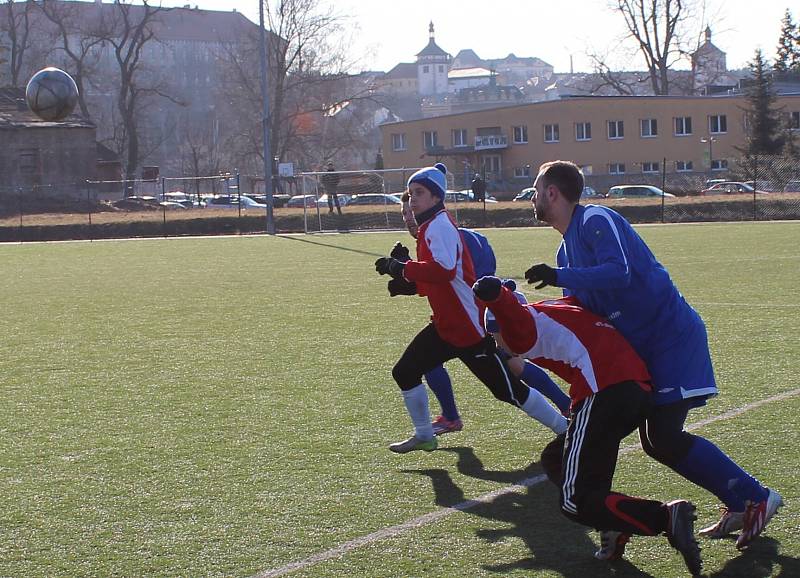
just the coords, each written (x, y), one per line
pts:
(663, 186)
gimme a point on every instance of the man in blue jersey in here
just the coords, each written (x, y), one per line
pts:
(438, 380)
(605, 264)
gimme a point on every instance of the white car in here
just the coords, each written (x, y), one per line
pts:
(636, 192)
(233, 202)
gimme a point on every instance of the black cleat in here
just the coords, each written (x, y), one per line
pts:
(680, 533)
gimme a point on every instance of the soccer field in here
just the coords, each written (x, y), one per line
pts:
(223, 407)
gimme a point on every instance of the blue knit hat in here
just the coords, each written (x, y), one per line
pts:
(432, 178)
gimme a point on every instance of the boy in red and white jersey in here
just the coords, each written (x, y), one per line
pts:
(443, 272)
(611, 396)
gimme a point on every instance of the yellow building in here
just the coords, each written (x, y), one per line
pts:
(615, 135)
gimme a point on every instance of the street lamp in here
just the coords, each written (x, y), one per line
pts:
(528, 171)
(710, 140)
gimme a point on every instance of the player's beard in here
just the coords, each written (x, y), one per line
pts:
(540, 209)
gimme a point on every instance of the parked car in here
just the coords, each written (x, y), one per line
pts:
(373, 199)
(731, 188)
(527, 194)
(172, 205)
(343, 200)
(792, 187)
(278, 200)
(233, 202)
(464, 196)
(298, 201)
(636, 191)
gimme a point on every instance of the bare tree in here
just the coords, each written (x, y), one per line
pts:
(16, 24)
(129, 31)
(655, 26)
(78, 42)
(307, 60)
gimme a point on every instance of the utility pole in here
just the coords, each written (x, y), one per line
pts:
(265, 121)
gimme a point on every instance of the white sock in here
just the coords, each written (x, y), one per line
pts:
(416, 400)
(539, 409)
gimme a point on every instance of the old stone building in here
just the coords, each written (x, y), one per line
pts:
(40, 157)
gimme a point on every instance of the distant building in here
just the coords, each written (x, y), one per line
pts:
(37, 156)
(433, 65)
(614, 138)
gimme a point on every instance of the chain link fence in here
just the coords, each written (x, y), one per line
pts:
(751, 188)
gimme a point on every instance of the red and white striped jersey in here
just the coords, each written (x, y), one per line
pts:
(444, 274)
(561, 335)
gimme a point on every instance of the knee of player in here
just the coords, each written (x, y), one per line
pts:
(405, 376)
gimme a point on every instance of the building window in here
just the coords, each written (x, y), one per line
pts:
(651, 167)
(683, 125)
(616, 169)
(441, 68)
(719, 165)
(616, 130)
(684, 166)
(522, 172)
(794, 120)
(717, 124)
(399, 141)
(425, 69)
(551, 133)
(460, 137)
(583, 131)
(520, 134)
(29, 161)
(430, 139)
(649, 127)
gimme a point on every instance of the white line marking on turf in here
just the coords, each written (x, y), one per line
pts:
(432, 517)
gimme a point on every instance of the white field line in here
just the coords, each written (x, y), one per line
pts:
(432, 517)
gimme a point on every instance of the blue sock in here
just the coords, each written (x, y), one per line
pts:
(535, 377)
(709, 467)
(439, 382)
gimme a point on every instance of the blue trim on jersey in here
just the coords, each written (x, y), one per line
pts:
(610, 269)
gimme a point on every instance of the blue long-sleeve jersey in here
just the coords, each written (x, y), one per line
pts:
(605, 264)
(483, 258)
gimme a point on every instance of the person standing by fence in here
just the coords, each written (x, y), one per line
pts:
(330, 181)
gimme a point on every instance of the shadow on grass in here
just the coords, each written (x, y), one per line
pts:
(760, 561)
(532, 515)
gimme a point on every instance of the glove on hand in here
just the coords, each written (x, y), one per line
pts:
(487, 288)
(401, 287)
(390, 266)
(400, 252)
(542, 274)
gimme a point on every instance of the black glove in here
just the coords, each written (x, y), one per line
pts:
(401, 287)
(510, 284)
(487, 288)
(400, 252)
(390, 266)
(542, 274)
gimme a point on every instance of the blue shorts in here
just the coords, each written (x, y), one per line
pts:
(683, 369)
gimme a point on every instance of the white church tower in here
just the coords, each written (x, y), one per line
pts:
(433, 64)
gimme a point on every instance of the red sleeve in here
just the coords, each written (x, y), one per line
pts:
(517, 325)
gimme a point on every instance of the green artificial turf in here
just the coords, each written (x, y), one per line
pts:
(223, 406)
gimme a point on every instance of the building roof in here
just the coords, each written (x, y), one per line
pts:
(433, 49)
(467, 58)
(461, 73)
(403, 70)
(14, 113)
(171, 24)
